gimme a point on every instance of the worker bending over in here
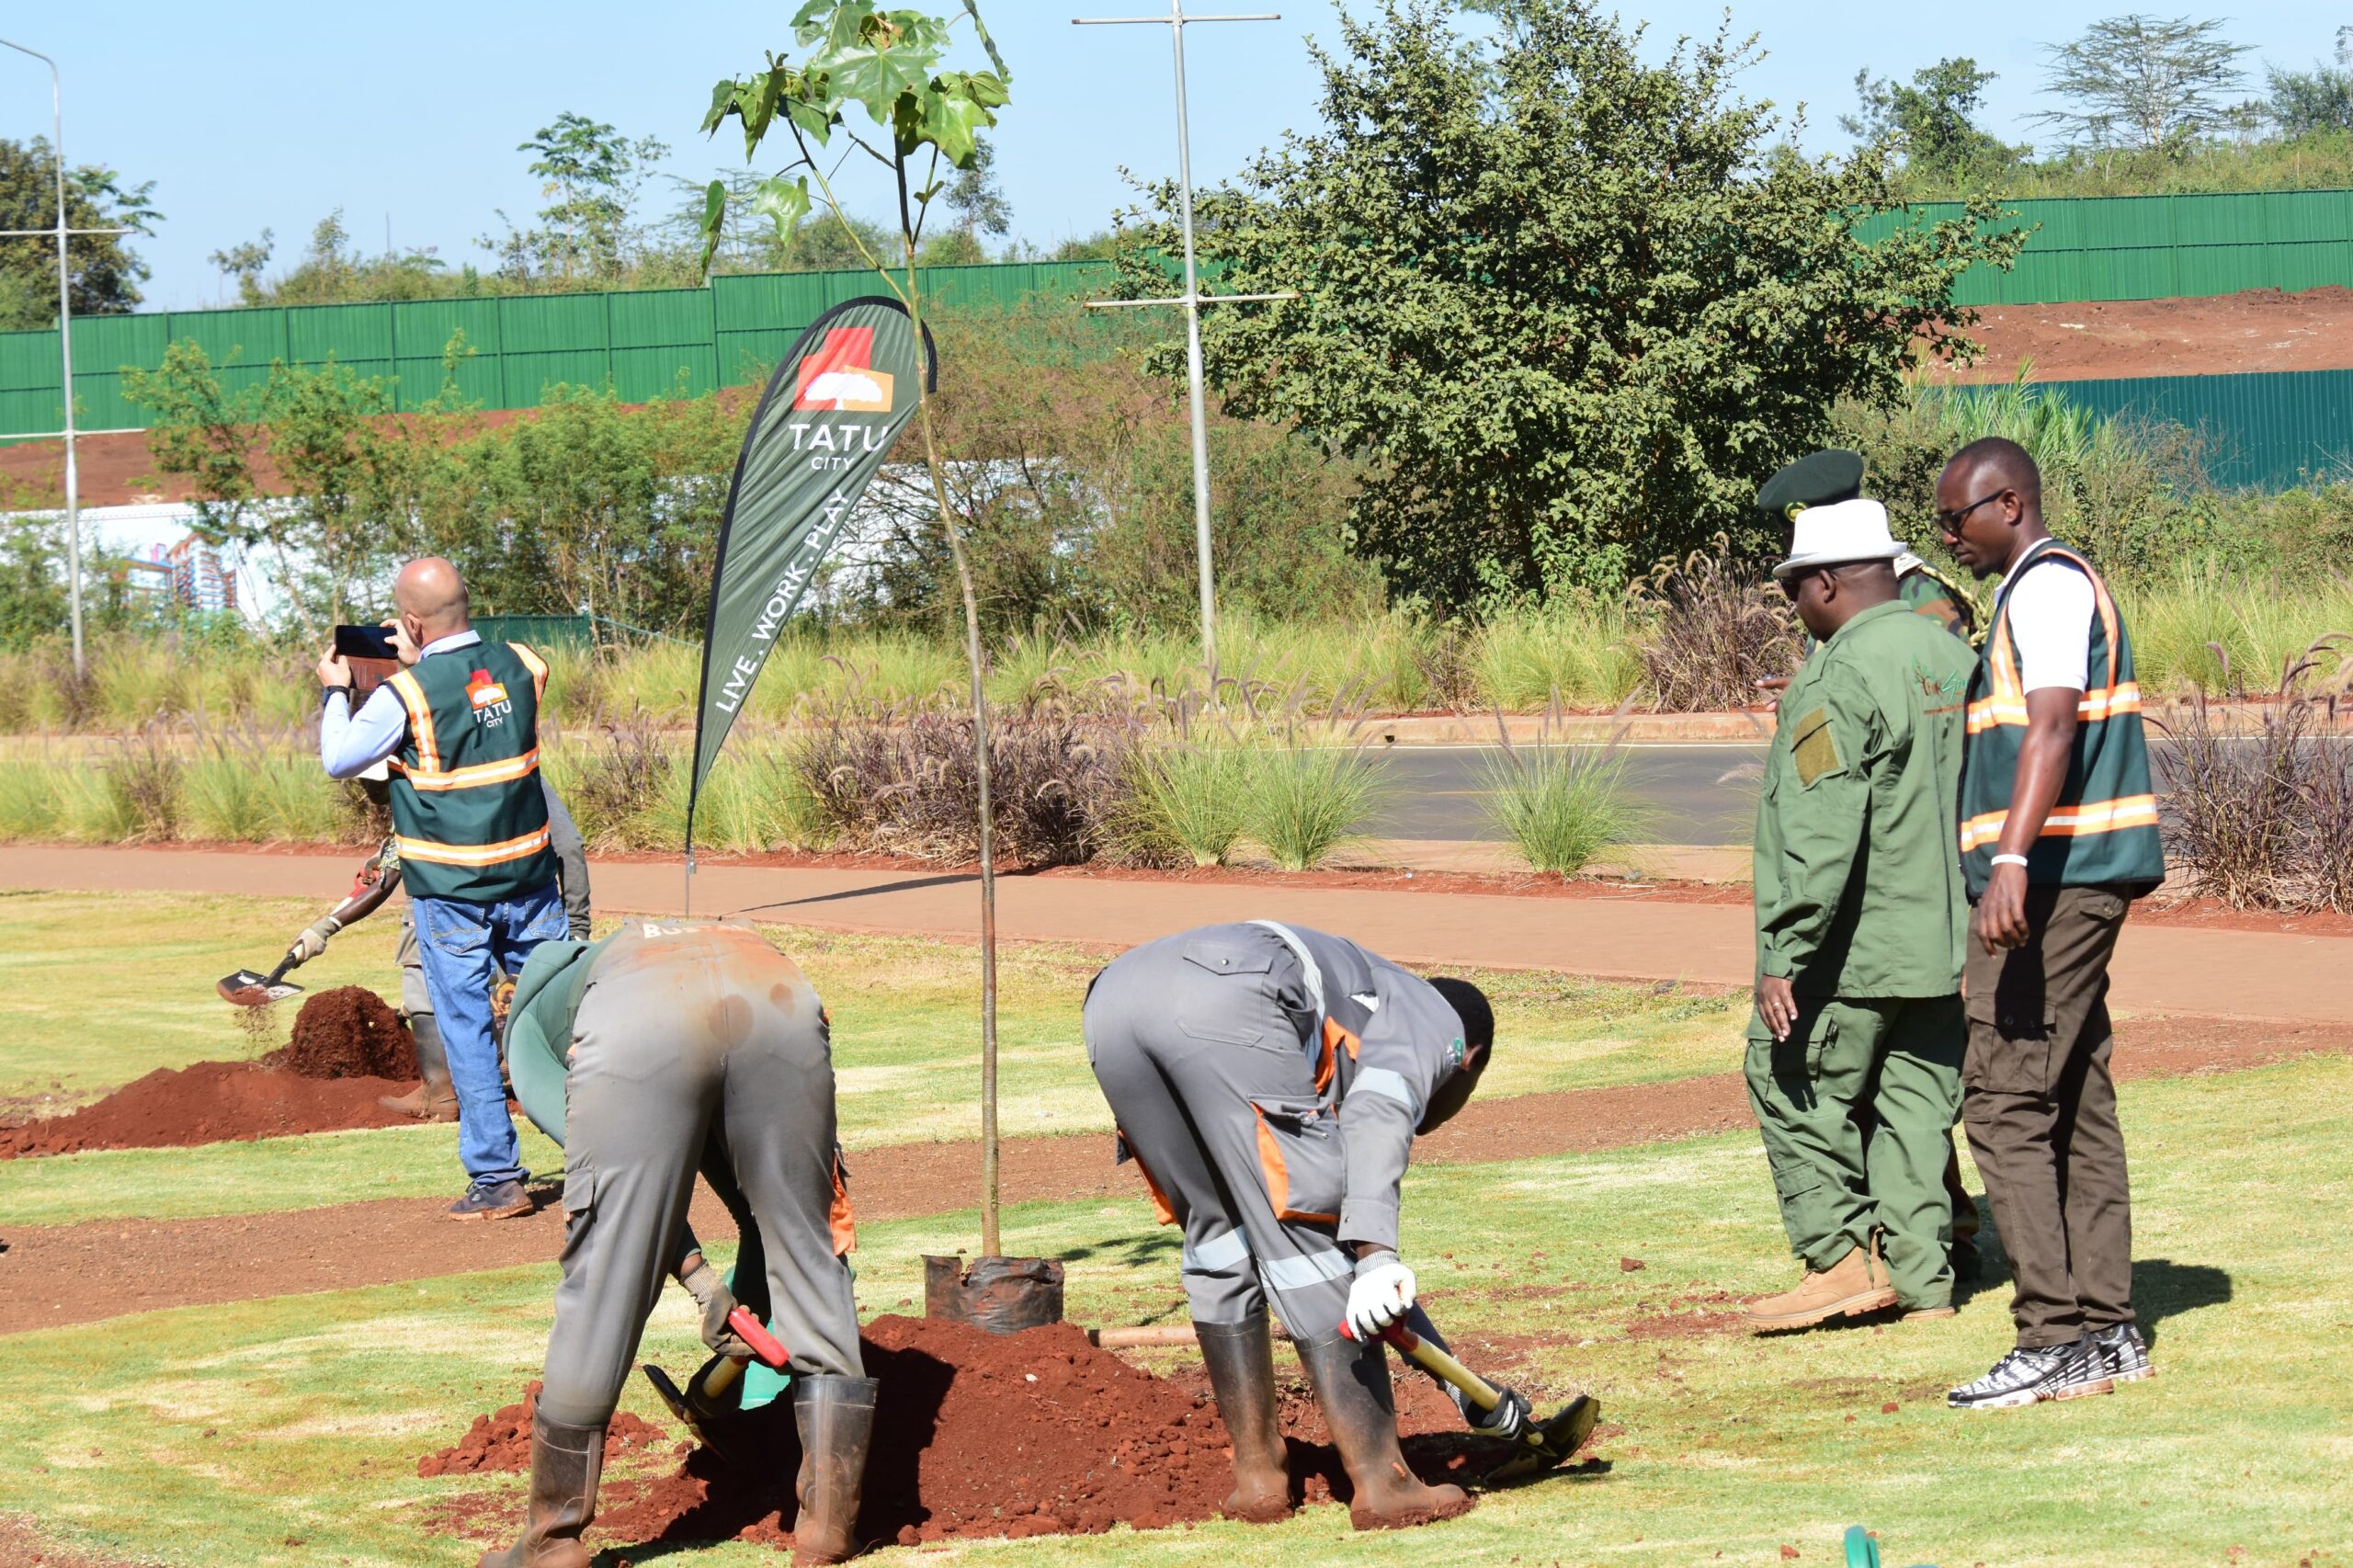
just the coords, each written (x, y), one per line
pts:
(668, 1047)
(1270, 1083)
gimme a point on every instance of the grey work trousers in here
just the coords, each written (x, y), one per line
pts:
(695, 1045)
(2040, 1109)
(1216, 1100)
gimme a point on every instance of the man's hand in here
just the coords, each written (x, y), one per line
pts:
(1776, 684)
(1508, 1420)
(711, 1293)
(2000, 918)
(1382, 1294)
(1776, 1004)
(313, 939)
(334, 671)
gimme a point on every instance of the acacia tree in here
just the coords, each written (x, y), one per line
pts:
(2144, 85)
(920, 116)
(1569, 304)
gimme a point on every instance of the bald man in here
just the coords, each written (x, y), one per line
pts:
(459, 728)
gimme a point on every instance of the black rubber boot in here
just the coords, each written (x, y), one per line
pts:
(566, 1462)
(434, 1099)
(836, 1416)
(1351, 1383)
(1241, 1362)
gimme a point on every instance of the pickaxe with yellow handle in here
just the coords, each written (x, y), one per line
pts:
(1541, 1444)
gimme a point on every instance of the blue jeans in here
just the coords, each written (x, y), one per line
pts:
(464, 949)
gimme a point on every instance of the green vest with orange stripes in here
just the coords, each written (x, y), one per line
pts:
(470, 816)
(2103, 828)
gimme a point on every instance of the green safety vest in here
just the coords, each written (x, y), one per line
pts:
(470, 816)
(2103, 828)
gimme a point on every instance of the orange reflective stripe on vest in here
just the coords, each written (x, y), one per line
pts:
(482, 773)
(2068, 822)
(471, 854)
(420, 718)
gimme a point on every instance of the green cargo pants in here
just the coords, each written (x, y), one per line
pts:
(1856, 1108)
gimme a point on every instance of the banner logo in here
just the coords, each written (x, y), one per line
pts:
(841, 376)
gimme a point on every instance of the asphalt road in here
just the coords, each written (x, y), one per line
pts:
(1701, 794)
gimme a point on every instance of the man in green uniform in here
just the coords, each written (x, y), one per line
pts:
(1854, 1057)
(1823, 479)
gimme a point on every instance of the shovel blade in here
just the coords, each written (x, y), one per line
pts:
(1552, 1443)
(247, 989)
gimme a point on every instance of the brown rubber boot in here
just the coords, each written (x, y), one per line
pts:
(1241, 1362)
(566, 1462)
(836, 1416)
(434, 1099)
(1351, 1383)
(1853, 1287)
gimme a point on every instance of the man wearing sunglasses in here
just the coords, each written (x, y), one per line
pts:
(1855, 1053)
(2057, 836)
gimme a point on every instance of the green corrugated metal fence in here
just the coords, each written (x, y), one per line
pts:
(2270, 431)
(645, 344)
(2160, 247)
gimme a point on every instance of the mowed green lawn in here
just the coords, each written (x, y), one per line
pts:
(111, 987)
(221, 1436)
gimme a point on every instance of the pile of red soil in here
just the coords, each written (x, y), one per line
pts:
(501, 1440)
(348, 1049)
(349, 1032)
(1038, 1433)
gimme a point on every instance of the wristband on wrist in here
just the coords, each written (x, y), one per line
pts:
(2009, 861)
(326, 692)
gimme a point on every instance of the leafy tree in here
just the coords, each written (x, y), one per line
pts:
(106, 272)
(2321, 100)
(889, 64)
(592, 176)
(1933, 118)
(2144, 85)
(245, 263)
(976, 199)
(1566, 305)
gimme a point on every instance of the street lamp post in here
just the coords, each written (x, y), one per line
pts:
(65, 345)
(1192, 298)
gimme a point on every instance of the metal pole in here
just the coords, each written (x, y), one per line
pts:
(1193, 355)
(65, 359)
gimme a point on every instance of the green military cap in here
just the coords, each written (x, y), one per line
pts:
(1815, 479)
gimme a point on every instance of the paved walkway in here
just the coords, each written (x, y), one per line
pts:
(2158, 969)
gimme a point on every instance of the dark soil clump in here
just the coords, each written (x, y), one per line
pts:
(501, 1440)
(349, 1032)
(1038, 1433)
(212, 1102)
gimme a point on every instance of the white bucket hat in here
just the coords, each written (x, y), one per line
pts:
(1838, 533)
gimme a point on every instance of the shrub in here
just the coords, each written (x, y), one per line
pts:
(2262, 821)
(1563, 807)
(1713, 633)
(1182, 803)
(1306, 800)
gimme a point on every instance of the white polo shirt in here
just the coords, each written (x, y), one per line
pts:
(2050, 610)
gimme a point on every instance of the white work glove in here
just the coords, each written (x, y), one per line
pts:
(313, 939)
(1382, 1294)
(714, 1301)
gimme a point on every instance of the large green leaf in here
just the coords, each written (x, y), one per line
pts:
(714, 210)
(784, 203)
(972, 9)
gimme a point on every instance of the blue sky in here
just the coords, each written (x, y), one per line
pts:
(268, 114)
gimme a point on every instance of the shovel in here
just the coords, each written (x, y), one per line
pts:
(1542, 1444)
(723, 1375)
(247, 989)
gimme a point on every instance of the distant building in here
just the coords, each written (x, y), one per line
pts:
(197, 580)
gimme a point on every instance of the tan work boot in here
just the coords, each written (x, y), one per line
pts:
(565, 1463)
(1241, 1362)
(1351, 1383)
(1853, 1287)
(434, 1099)
(836, 1417)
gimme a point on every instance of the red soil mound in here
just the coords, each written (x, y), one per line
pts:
(1036, 1432)
(349, 1032)
(501, 1440)
(212, 1102)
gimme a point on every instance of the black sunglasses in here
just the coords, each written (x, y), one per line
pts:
(1950, 521)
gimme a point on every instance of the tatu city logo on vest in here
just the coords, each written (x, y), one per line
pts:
(488, 698)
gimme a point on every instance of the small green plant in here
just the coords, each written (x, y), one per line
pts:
(1563, 807)
(1308, 800)
(30, 806)
(1183, 803)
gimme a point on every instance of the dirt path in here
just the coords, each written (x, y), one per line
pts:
(2262, 329)
(144, 1266)
(2158, 968)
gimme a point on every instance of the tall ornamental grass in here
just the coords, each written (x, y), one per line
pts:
(2200, 627)
(1585, 652)
(1307, 802)
(1564, 807)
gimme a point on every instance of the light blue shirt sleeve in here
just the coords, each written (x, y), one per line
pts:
(350, 744)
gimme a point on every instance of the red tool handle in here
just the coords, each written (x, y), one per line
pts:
(1397, 1334)
(766, 1345)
